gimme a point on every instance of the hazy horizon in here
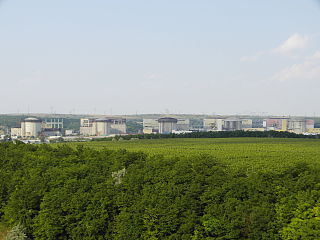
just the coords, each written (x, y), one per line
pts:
(143, 57)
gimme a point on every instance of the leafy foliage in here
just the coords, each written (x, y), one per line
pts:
(17, 233)
(67, 192)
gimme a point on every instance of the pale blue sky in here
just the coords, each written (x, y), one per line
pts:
(148, 56)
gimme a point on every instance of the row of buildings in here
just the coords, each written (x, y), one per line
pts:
(102, 127)
(116, 126)
(35, 128)
(295, 125)
(173, 125)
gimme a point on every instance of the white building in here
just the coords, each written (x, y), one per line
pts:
(222, 124)
(213, 124)
(150, 126)
(102, 126)
(246, 123)
(153, 126)
(30, 128)
(183, 124)
(167, 125)
(232, 124)
(300, 126)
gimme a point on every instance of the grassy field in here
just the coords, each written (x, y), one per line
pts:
(251, 153)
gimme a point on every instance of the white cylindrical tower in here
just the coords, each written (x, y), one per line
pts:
(31, 127)
(103, 127)
(167, 125)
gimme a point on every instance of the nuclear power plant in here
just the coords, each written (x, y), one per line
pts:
(98, 127)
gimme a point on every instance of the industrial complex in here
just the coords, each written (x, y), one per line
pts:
(98, 127)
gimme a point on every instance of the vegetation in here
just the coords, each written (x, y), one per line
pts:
(219, 134)
(3, 231)
(198, 189)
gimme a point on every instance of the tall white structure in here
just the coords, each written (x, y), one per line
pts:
(153, 126)
(300, 126)
(167, 125)
(30, 128)
(213, 124)
(118, 126)
(232, 124)
(102, 126)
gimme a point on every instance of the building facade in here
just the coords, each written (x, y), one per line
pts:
(167, 125)
(102, 126)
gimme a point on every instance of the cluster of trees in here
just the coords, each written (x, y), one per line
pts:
(221, 134)
(65, 193)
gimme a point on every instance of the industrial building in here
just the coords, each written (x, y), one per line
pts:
(183, 124)
(102, 126)
(167, 125)
(3, 130)
(34, 127)
(30, 128)
(247, 123)
(314, 131)
(296, 125)
(153, 125)
(213, 124)
(222, 124)
(52, 127)
(276, 124)
(232, 124)
(150, 126)
(56, 123)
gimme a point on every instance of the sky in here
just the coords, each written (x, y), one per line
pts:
(160, 56)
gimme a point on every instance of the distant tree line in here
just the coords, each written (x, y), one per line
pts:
(221, 134)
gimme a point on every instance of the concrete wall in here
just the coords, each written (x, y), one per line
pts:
(32, 129)
(16, 132)
(213, 124)
(167, 127)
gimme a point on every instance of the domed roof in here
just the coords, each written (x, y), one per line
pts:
(103, 120)
(31, 119)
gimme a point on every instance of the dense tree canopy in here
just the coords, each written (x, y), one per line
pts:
(82, 193)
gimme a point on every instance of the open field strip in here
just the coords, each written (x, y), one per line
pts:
(251, 153)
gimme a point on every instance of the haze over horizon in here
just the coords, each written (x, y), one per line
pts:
(181, 56)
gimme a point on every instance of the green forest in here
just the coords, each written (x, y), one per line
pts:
(162, 189)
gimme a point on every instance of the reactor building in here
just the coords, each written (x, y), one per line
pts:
(167, 125)
(153, 125)
(102, 126)
(30, 128)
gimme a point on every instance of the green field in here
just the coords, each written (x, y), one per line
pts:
(251, 153)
